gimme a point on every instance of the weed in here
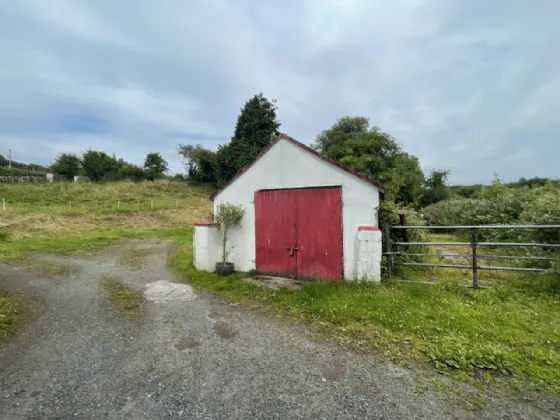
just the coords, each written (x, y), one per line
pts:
(10, 314)
(123, 298)
(134, 258)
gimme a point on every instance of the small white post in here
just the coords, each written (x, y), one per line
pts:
(152, 204)
(118, 204)
(3, 203)
(70, 205)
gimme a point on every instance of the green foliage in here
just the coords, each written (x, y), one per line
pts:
(499, 205)
(129, 171)
(257, 125)
(99, 166)
(435, 188)
(5, 171)
(33, 167)
(227, 216)
(531, 182)
(389, 216)
(375, 154)
(67, 165)
(155, 166)
(200, 162)
(466, 191)
(543, 209)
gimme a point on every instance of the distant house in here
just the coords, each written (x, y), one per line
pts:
(306, 216)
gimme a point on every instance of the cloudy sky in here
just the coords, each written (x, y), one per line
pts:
(470, 86)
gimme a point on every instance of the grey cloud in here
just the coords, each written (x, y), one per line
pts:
(469, 86)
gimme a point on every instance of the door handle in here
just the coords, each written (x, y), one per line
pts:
(292, 251)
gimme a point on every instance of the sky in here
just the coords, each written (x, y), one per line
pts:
(468, 86)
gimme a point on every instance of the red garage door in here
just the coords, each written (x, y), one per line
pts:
(299, 232)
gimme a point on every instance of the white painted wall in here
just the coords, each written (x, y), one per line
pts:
(368, 261)
(286, 165)
(205, 247)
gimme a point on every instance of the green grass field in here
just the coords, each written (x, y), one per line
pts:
(507, 333)
(38, 209)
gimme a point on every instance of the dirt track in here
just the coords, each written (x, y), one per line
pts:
(189, 356)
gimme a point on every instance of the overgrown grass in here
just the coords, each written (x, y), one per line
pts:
(10, 314)
(123, 298)
(38, 209)
(470, 334)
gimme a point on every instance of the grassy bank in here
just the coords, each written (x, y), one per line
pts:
(35, 210)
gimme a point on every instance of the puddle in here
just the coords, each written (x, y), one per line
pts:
(224, 330)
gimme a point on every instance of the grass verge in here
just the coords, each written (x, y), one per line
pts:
(476, 335)
(123, 298)
(10, 315)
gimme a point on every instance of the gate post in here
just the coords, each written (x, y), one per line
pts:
(474, 262)
(388, 247)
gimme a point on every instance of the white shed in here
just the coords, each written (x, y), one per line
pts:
(305, 216)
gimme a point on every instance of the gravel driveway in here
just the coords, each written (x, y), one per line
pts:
(189, 355)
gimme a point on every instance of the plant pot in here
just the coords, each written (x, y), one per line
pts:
(225, 270)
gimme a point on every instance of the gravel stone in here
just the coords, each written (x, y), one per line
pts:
(191, 357)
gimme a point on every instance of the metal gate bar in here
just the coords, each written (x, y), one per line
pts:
(474, 244)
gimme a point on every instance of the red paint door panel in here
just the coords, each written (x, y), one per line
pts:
(275, 232)
(319, 232)
(299, 232)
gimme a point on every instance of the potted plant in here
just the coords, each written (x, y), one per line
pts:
(227, 216)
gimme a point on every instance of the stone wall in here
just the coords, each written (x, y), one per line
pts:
(23, 178)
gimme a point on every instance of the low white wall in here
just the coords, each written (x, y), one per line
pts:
(205, 246)
(368, 262)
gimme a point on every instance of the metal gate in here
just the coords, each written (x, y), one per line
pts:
(394, 250)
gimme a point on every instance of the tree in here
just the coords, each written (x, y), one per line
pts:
(227, 217)
(129, 171)
(435, 187)
(257, 125)
(200, 163)
(155, 166)
(344, 129)
(67, 165)
(99, 166)
(375, 154)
